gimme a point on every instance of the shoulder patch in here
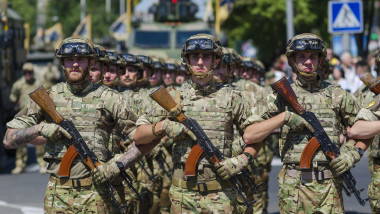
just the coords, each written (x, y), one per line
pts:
(371, 104)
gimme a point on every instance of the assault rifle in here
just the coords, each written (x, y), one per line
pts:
(76, 144)
(204, 145)
(319, 139)
(372, 83)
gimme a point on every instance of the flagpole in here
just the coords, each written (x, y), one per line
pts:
(217, 18)
(129, 13)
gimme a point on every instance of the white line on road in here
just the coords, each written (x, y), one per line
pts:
(24, 209)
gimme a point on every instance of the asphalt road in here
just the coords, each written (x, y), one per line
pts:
(23, 194)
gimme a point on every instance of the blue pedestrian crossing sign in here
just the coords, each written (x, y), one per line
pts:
(345, 16)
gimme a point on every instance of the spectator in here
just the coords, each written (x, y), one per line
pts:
(338, 74)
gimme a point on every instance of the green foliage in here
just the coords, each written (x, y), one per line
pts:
(26, 9)
(264, 21)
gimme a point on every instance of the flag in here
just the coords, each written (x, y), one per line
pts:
(118, 29)
(84, 28)
(209, 13)
(54, 36)
(226, 7)
(27, 37)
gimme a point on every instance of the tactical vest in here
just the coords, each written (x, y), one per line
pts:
(212, 115)
(325, 104)
(87, 114)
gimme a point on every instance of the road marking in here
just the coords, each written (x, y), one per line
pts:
(24, 209)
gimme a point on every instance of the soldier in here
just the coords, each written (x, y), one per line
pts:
(168, 77)
(100, 65)
(318, 189)
(223, 71)
(367, 127)
(246, 75)
(111, 74)
(94, 111)
(155, 79)
(181, 75)
(216, 109)
(19, 96)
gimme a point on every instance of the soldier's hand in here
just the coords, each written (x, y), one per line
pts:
(176, 131)
(52, 132)
(296, 123)
(231, 166)
(106, 171)
(346, 160)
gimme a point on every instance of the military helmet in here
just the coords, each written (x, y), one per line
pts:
(75, 46)
(146, 60)
(115, 59)
(132, 60)
(171, 64)
(305, 42)
(235, 56)
(204, 42)
(28, 67)
(259, 66)
(159, 63)
(248, 62)
(101, 54)
(227, 57)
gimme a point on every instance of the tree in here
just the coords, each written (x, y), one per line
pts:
(264, 21)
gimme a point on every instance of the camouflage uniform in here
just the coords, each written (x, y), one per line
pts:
(216, 110)
(334, 107)
(371, 113)
(19, 94)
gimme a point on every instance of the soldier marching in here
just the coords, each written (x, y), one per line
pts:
(106, 96)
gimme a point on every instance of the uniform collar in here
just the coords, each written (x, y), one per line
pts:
(309, 86)
(206, 89)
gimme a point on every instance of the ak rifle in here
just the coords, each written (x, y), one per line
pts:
(319, 139)
(204, 145)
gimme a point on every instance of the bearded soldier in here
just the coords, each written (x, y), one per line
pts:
(367, 127)
(217, 109)
(318, 189)
(95, 111)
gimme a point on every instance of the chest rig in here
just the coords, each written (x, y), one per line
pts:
(325, 104)
(89, 116)
(213, 116)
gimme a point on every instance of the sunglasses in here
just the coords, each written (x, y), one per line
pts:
(81, 48)
(27, 72)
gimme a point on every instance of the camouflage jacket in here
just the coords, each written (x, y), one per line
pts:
(94, 112)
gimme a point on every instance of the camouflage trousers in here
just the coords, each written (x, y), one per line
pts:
(374, 187)
(188, 201)
(309, 196)
(86, 199)
(22, 156)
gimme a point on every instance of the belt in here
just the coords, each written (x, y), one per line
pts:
(311, 175)
(201, 187)
(72, 182)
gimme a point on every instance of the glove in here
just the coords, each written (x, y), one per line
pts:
(296, 123)
(230, 167)
(346, 160)
(176, 130)
(52, 132)
(106, 171)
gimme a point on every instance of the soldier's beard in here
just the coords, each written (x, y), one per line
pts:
(76, 75)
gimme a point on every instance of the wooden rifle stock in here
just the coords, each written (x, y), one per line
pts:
(42, 98)
(283, 87)
(375, 85)
(164, 99)
(366, 79)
